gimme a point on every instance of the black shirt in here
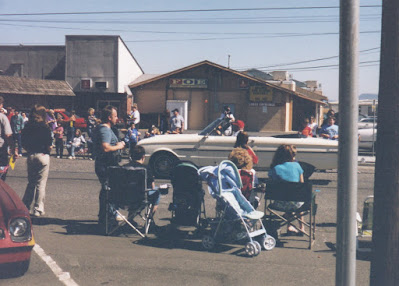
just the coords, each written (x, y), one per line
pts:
(36, 137)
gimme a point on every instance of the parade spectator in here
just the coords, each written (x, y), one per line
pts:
(242, 142)
(91, 121)
(229, 115)
(137, 157)
(330, 130)
(59, 139)
(242, 159)
(313, 125)
(134, 116)
(284, 168)
(36, 139)
(106, 148)
(176, 122)
(10, 113)
(17, 124)
(71, 126)
(24, 117)
(330, 113)
(7, 146)
(306, 131)
(152, 131)
(132, 136)
(51, 121)
(78, 143)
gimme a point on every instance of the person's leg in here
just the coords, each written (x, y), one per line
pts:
(73, 151)
(19, 141)
(100, 170)
(42, 169)
(154, 198)
(57, 147)
(31, 186)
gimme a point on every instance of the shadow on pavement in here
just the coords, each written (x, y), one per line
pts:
(72, 227)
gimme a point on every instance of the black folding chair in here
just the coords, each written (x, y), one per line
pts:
(288, 191)
(127, 189)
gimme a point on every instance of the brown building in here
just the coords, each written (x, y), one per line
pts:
(201, 90)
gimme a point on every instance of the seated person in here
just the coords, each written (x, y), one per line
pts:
(329, 130)
(242, 142)
(137, 157)
(77, 143)
(284, 168)
(241, 158)
(132, 136)
(307, 130)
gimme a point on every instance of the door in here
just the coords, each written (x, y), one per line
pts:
(182, 106)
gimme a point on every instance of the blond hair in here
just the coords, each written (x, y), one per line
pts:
(241, 158)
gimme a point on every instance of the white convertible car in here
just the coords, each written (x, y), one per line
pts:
(208, 148)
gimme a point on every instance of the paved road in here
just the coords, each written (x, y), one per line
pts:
(69, 236)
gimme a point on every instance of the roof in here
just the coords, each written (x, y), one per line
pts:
(143, 77)
(136, 83)
(30, 86)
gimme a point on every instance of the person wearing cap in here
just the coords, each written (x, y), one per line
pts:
(176, 122)
(240, 125)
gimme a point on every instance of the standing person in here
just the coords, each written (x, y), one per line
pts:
(51, 121)
(164, 124)
(7, 146)
(24, 117)
(105, 147)
(91, 121)
(176, 122)
(17, 124)
(242, 142)
(284, 168)
(36, 139)
(59, 139)
(134, 116)
(330, 130)
(71, 126)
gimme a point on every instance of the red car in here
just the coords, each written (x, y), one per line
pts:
(65, 115)
(16, 235)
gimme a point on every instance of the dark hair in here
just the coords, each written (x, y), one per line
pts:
(106, 113)
(242, 140)
(284, 153)
(78, 131)
(38, 113)
(137, 152)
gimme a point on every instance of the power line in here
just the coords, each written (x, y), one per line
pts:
(182, 11)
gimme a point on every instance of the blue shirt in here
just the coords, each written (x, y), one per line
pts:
(103, 134)
(288, 171)
(330, 130)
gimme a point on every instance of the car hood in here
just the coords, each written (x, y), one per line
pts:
(10, 203)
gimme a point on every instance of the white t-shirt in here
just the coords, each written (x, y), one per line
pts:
(136, 116)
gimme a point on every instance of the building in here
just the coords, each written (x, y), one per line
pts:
(96, 68)
(201, 90)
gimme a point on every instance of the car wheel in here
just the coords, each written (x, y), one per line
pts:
(161, 164)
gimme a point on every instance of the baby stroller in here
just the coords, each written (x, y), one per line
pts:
(236, 218)
(187, 207)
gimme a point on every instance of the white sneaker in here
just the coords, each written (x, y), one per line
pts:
(58, 157)
(254, 215)
(70, 157)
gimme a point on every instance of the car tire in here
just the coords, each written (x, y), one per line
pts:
(161, 164)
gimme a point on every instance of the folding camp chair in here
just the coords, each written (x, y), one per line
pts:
(297, 192)
(127, 189)
(365, 227)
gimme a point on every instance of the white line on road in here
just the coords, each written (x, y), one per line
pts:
(64, 277)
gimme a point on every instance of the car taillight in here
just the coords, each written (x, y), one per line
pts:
(20, 230)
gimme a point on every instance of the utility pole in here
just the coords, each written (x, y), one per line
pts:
(385, 255)
(345, 274)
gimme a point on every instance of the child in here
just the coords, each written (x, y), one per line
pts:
(241, 158)
(132, 136)
(76, 144)
(306, 131)
(59, 138)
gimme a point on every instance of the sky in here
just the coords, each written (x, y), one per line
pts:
(301, 37)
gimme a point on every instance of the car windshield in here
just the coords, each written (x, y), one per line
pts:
(211, 128)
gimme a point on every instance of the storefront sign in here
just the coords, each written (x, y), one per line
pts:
(260, 94)
(256, 104)
(188, 83)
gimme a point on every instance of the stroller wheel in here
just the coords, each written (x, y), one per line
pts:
(268, 242)
(208, 242)
(251, 249)
(258, 247)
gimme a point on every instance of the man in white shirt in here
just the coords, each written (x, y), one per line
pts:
(134, 116)
(176, 122)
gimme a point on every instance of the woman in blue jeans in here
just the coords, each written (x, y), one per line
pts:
(37, 141)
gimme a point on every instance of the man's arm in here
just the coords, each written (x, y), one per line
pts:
(109, 148)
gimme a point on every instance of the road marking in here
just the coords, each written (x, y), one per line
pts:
(64, 277)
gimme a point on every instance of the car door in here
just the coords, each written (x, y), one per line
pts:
(211, 150)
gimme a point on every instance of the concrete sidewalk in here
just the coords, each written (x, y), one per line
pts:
(366, 160)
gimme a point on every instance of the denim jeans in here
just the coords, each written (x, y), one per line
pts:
(38, 168)
(17, 139)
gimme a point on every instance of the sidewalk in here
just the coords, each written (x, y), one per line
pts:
(366, 160)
